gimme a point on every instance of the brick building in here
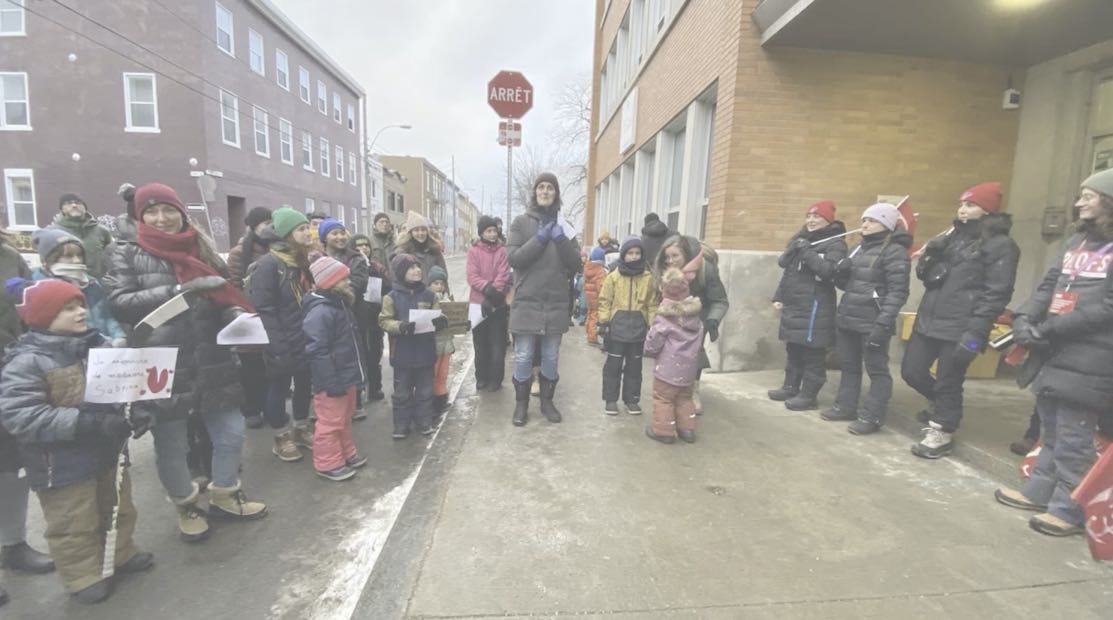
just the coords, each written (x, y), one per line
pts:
(729, 117)
(227, 101)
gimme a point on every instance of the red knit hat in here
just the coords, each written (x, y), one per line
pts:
(824, 209)
(42, 300)
(156, 193)
(985, 195)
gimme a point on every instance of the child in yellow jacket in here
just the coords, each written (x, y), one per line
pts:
(627, 305)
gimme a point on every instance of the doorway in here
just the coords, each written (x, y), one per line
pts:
(237, 211)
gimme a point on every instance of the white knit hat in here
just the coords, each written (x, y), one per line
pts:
(884, 213)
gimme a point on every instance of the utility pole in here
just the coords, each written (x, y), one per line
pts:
(455, 194)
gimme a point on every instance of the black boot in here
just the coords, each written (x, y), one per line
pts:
(21, 557)
(521, 396)
(806, 400)
(440, 403)
(548, 409)
(783, 393)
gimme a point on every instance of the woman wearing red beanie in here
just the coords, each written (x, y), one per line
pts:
(968, 275)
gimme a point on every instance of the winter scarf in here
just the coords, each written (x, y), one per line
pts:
(183, 251)
(631, 268)
(301, 284)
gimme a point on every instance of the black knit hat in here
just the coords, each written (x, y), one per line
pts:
(379, 216)
(71, 198)
(400, 264)
(257, 216)
(486, 222)
(652, 217)
(552, 179)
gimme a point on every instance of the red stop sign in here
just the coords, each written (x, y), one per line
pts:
(510, 94)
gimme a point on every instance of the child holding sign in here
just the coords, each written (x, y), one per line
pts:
(69, 447)
(437, 281)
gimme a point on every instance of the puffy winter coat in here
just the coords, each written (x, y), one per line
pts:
(707, 285)
(654, 235)
(594, 275)
(416, 350)
(95, 238)
(358, 276)
(382, 248)
(627, 304)
(206, 374)
(429, 254)
(676, 339)
(875, 280)
(277, 291)
(96, 302)
(542, 272)
(334, 356)
(43, 384)
(487, 264)
(807, 288)
(247, 250)
(11, 265)
(1078, 364)
(968, 279)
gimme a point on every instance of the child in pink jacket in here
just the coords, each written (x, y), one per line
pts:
(488, 281)
(674, 340)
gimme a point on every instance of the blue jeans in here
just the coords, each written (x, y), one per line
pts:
(1068, 453)
(525, 347)
(225, 427)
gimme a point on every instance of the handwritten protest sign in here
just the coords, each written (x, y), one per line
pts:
(457, 314)
(128, 375)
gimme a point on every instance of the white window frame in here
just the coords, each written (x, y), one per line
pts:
(307, 150)
(235, 118)
(337, 106)
(129, 126)
(256, 56)
(282, 69)
(352, 167)
(339, 163)
(285, 141)
(322, 97)
(265, 151)
(4, 126)
(14, 6)
(19, 173)
(310, 205)
(351, 118)
(326, 157)
(304, 89)
(231, 32)
(340, 215)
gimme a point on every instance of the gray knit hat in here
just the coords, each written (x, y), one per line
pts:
(1101, 182)
(46, 240)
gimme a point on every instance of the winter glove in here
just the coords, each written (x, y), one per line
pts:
(842, 269)
(1026, 335)
(490, 291)
(99, 421)
(201, 284)
(407, 329)
(712, 326)
(544, 233)
(556, 232)
(140, 422)
(487, 308)
(936, 245)
(798, 244)
(441, 322)
(966, 351)
(878, 337)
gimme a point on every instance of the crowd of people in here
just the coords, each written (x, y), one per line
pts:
(327, 299)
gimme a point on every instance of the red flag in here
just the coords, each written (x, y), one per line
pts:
(1095, 495)
(907, 221)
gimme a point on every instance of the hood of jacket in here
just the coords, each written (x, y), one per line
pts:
(656, 229)
(74, 346)
(319, 298)
(689, 307)
(406, 244)
(83, 224)
(126, 229)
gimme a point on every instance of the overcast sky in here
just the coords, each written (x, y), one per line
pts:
(427, 63)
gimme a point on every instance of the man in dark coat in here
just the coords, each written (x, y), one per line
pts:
(654, 234)
(74, 217)
(968, 277)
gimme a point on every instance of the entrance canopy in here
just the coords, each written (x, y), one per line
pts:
(1003, 32)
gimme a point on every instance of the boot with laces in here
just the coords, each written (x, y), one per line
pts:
(285, 448)
(193, 521)
(232, 503)
(935, 444)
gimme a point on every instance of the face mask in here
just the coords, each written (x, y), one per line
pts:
(76, 273)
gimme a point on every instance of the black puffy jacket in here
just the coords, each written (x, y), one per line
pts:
(1078, 364)
(807, 288)
(277, 291)
(654, 235)
(206, 375)
(334, 355)
(968, 278)
(875, 280)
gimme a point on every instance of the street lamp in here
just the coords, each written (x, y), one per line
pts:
(370, 148)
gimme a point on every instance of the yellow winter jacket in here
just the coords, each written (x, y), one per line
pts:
(625, 295)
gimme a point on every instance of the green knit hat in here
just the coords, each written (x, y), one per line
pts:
(436, 273)
(1101, 182)
(285, 220)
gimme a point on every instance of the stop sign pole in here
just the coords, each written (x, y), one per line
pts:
(510, 95)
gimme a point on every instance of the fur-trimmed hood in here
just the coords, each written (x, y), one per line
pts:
(689, 307)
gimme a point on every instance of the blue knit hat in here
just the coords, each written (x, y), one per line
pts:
(326, 227)
(629, 244)
(598, 255)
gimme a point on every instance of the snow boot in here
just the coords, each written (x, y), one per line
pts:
(802, 402)
(231, 502)
(834, 414)
(141, 561)
(783, 393)
(22, 558)
(863, 427)
(548, 409)
(521, 398)
(93, 594)
(686, 436)
(303, 434)
(193, 522)
(661, 438)
(285, 448)
(935, 444)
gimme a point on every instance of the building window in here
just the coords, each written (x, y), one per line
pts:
(336, 105)
(352, 167)
(374, 189)
(140, 102)
(230, 119)
(351, 118)
(255, 52)
(341, 215)
(325, 171)
(19, 187)
(339, 163)
(224, 29)
(676, 178)
(401, 203)
(15, 111)
(303, 84)
(11, 18)
(282, 69)
(322, 98)
(310, 205)
(286, 141)
(307, 151)
(262, 131)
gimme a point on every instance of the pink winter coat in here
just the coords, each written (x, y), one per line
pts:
(675, 339)
(487, 264)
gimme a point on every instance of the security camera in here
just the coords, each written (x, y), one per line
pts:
(1011, 99)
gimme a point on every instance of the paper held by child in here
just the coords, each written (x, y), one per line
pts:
(423, 320)
(243, 330)
(374, 294)
(475, 314)
(128, 375)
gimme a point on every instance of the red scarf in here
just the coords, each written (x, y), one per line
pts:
(183, 252)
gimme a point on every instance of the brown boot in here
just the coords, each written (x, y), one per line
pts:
(193, 522)
(285, 448)
(233, 503)
(303, 435)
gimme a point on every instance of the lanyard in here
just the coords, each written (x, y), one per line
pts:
(1095, 260)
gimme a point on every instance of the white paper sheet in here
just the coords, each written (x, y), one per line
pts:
(569, 230)
(245, 329)
(374, 292)
(475, 314)
(423, 320)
